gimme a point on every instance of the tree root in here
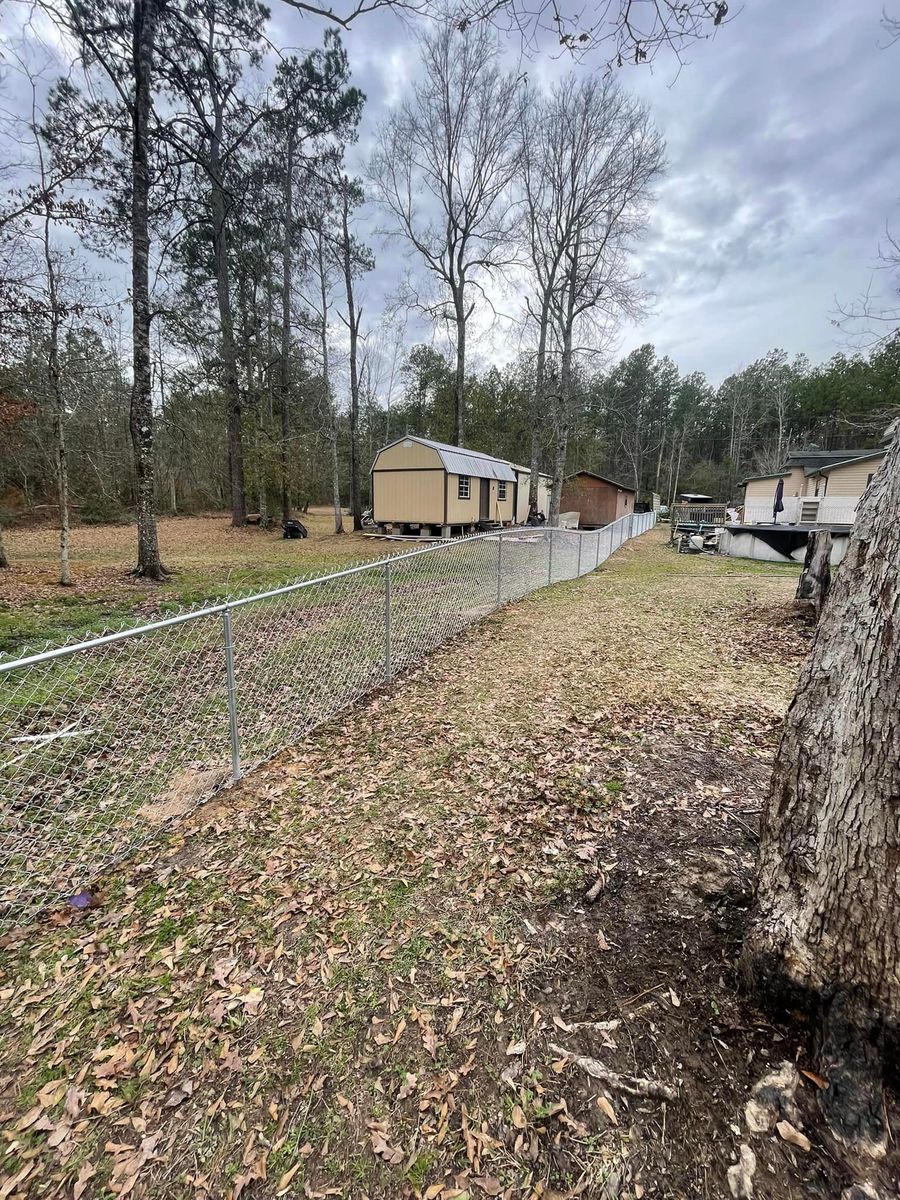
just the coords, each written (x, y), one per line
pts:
(634, 1085)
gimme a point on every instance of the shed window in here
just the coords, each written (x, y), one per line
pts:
(463, 492)
(501, 490)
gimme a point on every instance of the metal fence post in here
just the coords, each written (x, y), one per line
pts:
(580, 540)
(499, 568)
(387, 622)
(550, 558)
(232, 697)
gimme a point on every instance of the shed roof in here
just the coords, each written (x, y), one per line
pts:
(846, 462)
(756, 478)
(460, 461)
(814, 460)
(623, 487)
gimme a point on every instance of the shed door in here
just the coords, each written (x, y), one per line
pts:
(484, 507)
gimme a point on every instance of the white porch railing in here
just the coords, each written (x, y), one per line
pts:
(804, 510)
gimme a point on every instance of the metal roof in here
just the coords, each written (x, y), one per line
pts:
(459, 461)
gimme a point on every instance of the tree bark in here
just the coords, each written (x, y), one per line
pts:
(4, 561)
(146, 15)
(827, 916)
(326, 385)
(353, 326)
(816, 576)
(538, 415)
(565, 318)
(459, 382)
(563, 418)
(284, 389)
(230, 381)
(58, 409)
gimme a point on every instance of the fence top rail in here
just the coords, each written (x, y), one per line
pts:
(108, 639)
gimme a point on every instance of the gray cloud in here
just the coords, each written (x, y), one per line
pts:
(782, 139)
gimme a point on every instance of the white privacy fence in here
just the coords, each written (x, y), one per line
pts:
(104, 741)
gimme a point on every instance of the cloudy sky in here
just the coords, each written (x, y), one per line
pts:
(784, 167)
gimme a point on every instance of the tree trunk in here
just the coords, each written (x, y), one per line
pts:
(566, 324)
(816, 576)
(146, 13)
(677, 470)
(329, 402)
(4, 561)
(459, 383)
(827, 918)
(58, 409)
(353, 326)
(563, 417)
(538, 415)
(230, 381)
(285, 356)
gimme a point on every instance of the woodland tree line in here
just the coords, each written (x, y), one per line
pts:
(642, 422)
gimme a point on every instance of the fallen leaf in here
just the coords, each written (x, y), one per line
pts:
(819, 1080)
(285, 1180)
(252, 1000)
(51, 1092)
(87, 1173)
(607, 1109)
(488, 1184)
(514, 1049)
(676, 1003)
(790, 1134)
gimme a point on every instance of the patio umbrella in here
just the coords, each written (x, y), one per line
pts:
(779, 501)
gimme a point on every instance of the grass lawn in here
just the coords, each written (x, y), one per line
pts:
(364, 971)
(208, 559)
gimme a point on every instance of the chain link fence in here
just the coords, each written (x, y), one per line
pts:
(105, 741)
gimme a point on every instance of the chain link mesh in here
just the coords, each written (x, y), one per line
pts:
(103, 743)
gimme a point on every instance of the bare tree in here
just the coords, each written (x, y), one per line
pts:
(621, 30)
(443, 169)
(589, 157)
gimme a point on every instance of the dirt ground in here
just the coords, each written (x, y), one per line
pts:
(365, 971)
(206, 556)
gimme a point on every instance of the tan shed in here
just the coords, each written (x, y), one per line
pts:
(422, 486)
(597, 500)
(523, 480)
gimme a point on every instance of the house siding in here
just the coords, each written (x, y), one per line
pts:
(415, 495)
(407, 455)
(853, 479)
(595, 500)
(795, 484)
